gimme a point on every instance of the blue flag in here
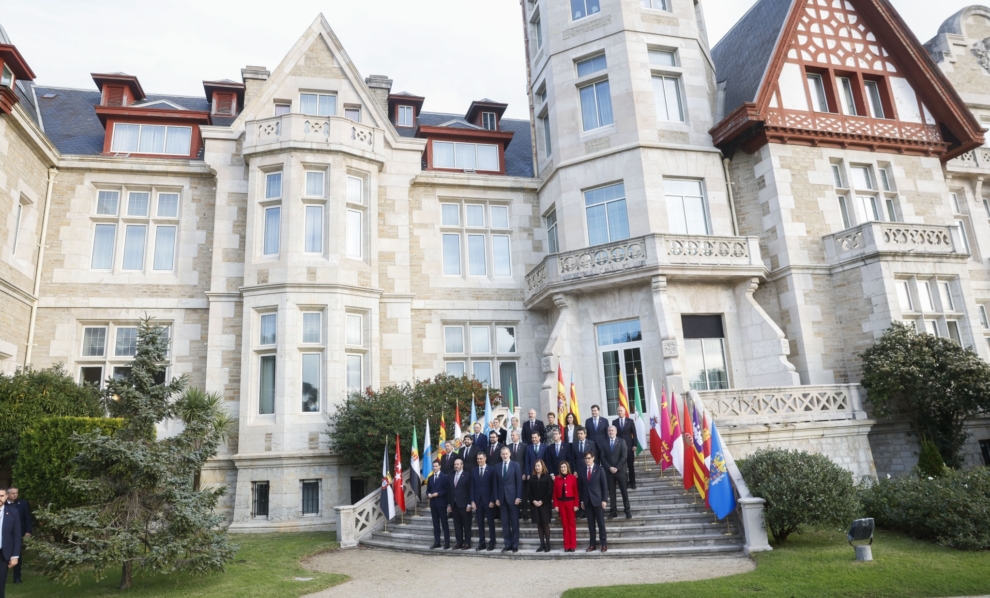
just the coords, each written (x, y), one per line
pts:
(721, 496)
(488, 413)
(474, 417)
(427, 454)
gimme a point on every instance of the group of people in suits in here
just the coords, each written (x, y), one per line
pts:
(572, 469)
(15, 525)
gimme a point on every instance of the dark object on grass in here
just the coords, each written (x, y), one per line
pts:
(861, 530)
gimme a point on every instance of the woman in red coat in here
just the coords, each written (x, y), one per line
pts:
(565, 501)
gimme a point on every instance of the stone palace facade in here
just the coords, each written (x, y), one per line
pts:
(737, 221)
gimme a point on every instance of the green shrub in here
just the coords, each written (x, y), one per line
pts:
(930, 461)
(801, 489)
(952, 509)
(45, 453)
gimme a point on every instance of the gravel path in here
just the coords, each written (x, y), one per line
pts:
(386, 573)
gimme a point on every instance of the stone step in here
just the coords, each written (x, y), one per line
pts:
(672, 517)
(404, 540)
(558, 553)
(642, 529)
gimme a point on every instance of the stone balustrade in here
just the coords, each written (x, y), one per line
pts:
(693, 256)
(300, 131)
(365, 516)
(973, 159)
(874, 238)
(793, 404)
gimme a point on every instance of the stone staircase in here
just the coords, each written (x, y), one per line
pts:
(666, 522)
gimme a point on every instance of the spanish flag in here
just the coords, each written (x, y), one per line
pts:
(441, 448)
(561, 396)
(574, 401)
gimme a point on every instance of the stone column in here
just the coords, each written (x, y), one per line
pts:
(668, 335)
(753, 525)
(555, 347)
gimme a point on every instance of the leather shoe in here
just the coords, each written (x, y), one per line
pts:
(457, 546)
(506, 549)
(435, 546)
(611, 516)
(480, 547)
(491, 547)
(446, 546)
(632, 487)
(516, 549)
(592, 548)
(628, 515)
(604, 548)
(466, 547)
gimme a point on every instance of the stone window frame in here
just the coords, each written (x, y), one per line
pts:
(260, 351)
(587, 11)
(962, 219)
(109, 362)
(593, 79)
(925, 290)
(536, 26)
(487, 230)
(266, 203)
(553, 231)
(673, 71)
(153, 222)
(315, 201)
(360, 350)
(495, 357)
(620, 348)
(319, 348)
(850, 198)
(652, 5)
(319, 497)
(359, 206)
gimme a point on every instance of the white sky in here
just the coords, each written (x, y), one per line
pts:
(451, 51)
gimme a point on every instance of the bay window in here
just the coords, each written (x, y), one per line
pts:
(151, 139)
(465, 156)
(605, 209)
(686, 207)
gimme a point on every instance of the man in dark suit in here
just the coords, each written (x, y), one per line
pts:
(493, 452)
(558, 452)
(614, 456)
(10, 539)
(468, 453)
(517, 454)
(436, 491)
(508, 498)
(591, 486)
(626, 430)
(532, 425)
(597, 427)
(483, 500)
(479, 439)
(459, 503)
(578, 448)
(447, 461)
(24, 510)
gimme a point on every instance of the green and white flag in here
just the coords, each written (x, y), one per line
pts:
(640, 419)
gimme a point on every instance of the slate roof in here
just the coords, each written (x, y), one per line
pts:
(519, 154)
(743, 55)
(71, 123)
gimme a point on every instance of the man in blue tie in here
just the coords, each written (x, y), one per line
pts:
(508, 497)
(591, 485)
(557, 453)
(436, 491)
(483, 501)
(614, 462)
(578, 449)
(479, 439)
(597, 430)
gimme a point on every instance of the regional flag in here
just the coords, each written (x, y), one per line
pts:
(457, 425)
(399, 493)
(387, 499)
(415, 467)
(639, 420)
(697, 452)
(512, 406)
(721, 497)
(561, 396)
(574, 401)
(442, 441)
(488, 413)
(659, 447)
(474, 417)
(623, 395)
(687, 461)
(427, 455)
(676, 437)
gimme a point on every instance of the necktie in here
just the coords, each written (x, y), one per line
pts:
(581, 450)
(558, 449)
(612, 445)
(505, 470)
(482, 472)
(596, 423)
(457, 478)
(589, 474)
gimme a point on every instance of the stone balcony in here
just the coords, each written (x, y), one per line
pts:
(975, 161)
(307, 133)
(894, 239)
(637, 260)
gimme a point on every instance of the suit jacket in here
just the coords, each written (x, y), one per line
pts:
(508, 488)
(600, 434)
(503, 435)
(480, 441)
(532, 456)
(553, 460)
(577, 455)
(528, 429)
(541, 489)
(483, 487)
(494, 453)
(616, 457)
(447, 463)
(470, 457)
(24, 510)
(595, 491)
(10, 533)
(626, 432)
(519, 456)
(459, 495)
(437, 483)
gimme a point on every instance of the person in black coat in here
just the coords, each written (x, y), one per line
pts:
(517, 454)
(597, 427)
(557, 452)
(436, 491)
(508, 498)
(539, 491)
(532, 425)
(459, 503)
(614, 456)
(479, 438)
(591, 485)
(581, 446)
(483, 500)
(24, 510)
(468, 453)
(626, 430)
(447, 461)
(534, 452)
(10, 538)
(493, 452)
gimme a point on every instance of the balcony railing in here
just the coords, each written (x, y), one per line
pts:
(976, 159)
(893, 237)
(852, 125)
(795, 404)
(672, 254)
(311, 132)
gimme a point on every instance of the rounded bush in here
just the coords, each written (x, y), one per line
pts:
(801, 489)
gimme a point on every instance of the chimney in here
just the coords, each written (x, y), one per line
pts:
(253, 77)
(381, 87)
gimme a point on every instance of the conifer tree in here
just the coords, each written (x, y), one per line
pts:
(141, 509)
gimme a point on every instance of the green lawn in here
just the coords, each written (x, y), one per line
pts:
(265, 565)
(821, 564)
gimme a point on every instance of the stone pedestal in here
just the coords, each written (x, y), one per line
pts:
(864, 553)
(753, 525)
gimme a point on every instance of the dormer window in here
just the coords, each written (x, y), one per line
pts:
(488, 121)
(7, 78)
(115, 95)
(405, 118)
(225, 104)
(151, 139)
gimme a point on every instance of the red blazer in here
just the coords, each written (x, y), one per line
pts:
(565, 486)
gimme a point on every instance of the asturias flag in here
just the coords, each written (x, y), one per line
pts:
(387, 500)
(658, 443)
(720, 494)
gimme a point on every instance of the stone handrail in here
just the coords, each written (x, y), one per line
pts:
(792, 404)
(750, 507)
(365, 517)
(655, 250)
(978, 158)
(875, 237)
(310, 132)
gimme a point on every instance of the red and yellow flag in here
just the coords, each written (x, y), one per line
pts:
(687, 467)
(574, 401)
(561, 396)
(441, 451)
(623, 395)
(400, 495)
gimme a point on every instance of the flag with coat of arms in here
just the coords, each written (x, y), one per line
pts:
(387, 499)
(721, 496)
